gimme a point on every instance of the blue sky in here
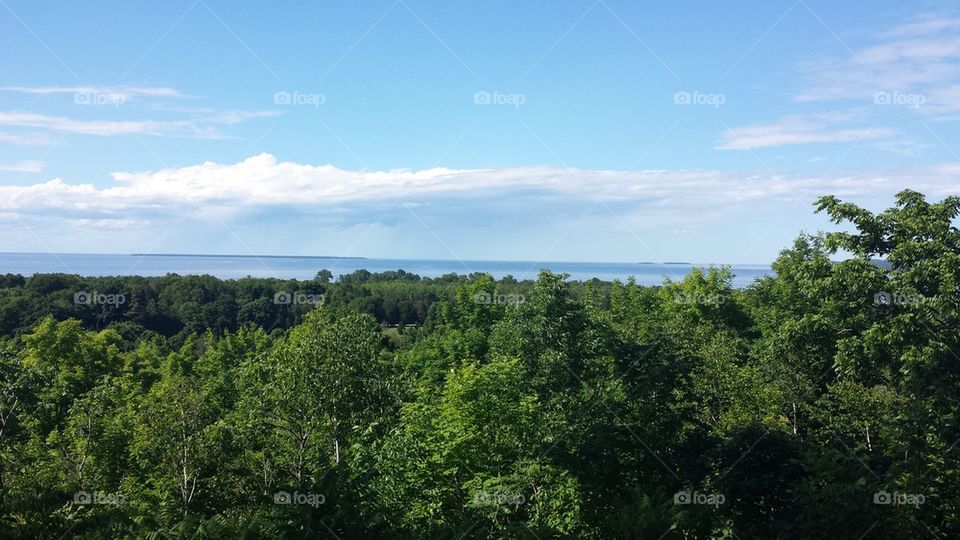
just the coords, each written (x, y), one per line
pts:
(563, 130)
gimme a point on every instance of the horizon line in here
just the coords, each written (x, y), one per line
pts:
(357, 257)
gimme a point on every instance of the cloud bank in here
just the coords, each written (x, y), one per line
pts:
(263, 183)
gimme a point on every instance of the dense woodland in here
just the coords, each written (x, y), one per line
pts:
(819, 403)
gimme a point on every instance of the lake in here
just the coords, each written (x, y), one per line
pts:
(234, 266)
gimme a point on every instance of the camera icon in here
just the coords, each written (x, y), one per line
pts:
(282, 98)
(83, 98)
(482, 298)
(82, 297)
(882, 98)
(82, 497)
(882, 497)
(282, 497)
(682, 98)
(482, 98)
(282, 298)
(681, 497)
(883, 298)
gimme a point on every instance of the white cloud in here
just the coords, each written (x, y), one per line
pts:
(912, 67)
(903, 147)
(26, 139)
(198, 122)
(799, 129)
(251, 207)
(22, 166)
(117, 224)
(198, 126)
(87, 127)
(925, 25)
(261, 183)
(915, 61)
(119, 92)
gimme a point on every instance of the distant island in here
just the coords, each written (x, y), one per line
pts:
(667, 262)
(200, 255)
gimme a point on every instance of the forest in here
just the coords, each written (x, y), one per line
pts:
(821, 402)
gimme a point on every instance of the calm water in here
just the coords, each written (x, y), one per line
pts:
(232, 267)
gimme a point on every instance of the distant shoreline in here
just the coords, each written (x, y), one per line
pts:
(306, 267)
(203, 255)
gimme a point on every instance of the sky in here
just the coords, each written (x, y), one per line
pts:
(561, 130)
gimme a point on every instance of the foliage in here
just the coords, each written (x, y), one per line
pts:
(818, 402)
